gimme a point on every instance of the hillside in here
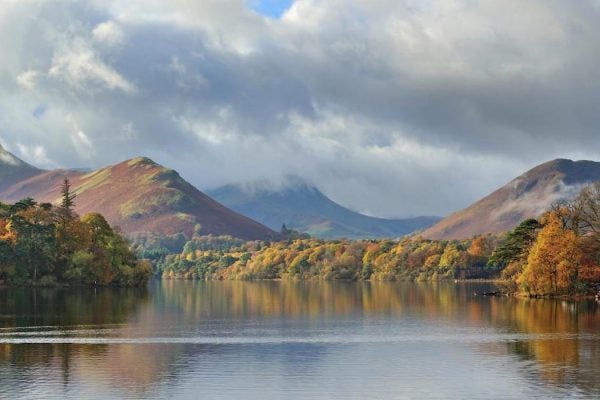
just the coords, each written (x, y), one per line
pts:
(13, 170)
(140, 196)
(304, 208)
(527, 196)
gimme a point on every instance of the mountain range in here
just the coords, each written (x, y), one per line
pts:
(138, 195)
(526, 196)
(141, 196)
(305, 208)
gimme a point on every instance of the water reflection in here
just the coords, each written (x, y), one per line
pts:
(245, 336)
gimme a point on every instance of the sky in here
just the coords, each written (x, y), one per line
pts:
(391, 107)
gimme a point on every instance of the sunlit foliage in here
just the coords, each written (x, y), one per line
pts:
(303, 259)
(43, 245)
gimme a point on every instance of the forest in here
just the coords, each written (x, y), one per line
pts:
(45, 245)
(557, 254)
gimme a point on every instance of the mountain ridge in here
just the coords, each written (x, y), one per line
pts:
(139, 196)
(303, 207)
(526, 196)
(13, 169)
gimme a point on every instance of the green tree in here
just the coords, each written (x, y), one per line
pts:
(516, 244)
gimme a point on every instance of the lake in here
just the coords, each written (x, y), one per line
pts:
(286, 340)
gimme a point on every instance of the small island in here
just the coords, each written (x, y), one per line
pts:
(47, 245)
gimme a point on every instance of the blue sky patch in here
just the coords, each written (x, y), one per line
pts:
(39, 111)
(271, 8)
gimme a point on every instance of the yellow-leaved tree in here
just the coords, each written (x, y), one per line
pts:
(554, 260)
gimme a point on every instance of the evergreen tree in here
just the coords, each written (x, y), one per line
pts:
(516, 244)
(68, 197)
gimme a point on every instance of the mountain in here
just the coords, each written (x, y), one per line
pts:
(304, 208)
(139, 196)
(13, 170)
(527, 196)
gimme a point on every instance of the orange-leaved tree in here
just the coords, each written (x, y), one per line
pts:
(554, 260)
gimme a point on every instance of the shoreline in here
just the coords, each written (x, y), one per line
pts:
(518, 295)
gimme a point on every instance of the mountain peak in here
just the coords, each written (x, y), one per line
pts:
(13, 169)
(141, 161)
(10, 159)
(141, 196)
(301, 206)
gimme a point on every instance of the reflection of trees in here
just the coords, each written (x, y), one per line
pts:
(562, 354)
(180, 307)
(68, 307)
(269, 299)
(58, 310)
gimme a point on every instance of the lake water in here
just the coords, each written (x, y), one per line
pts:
(283, 340)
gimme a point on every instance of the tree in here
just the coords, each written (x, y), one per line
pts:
(34, 233)
(554, 260)
(516, 244)
(68, 197)
(480, 247)
(40, 244)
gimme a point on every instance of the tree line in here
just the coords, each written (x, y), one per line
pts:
(382, 260)
(42, 244)
(556, 254)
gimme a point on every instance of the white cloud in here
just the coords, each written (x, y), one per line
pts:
(7, 158)
(83, 144)
(82, 69)
(108, 33)
(28, 79)
(34, 154)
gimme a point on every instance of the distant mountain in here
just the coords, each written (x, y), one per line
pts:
(13, 170)
(304, 208)
(138, 195)
(527, 196)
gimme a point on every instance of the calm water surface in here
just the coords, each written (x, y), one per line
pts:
(277, 340)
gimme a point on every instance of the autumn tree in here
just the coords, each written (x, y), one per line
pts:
(554, 260)
(41, 245)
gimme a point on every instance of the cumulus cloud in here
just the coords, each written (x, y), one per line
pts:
(392, 107)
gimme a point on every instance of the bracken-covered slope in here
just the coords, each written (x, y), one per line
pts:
(527, 196)
(304, 208)
(140, 196)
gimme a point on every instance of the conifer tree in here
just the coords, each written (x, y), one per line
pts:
(68, 197)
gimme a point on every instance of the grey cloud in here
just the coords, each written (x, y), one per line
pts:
(394, 108)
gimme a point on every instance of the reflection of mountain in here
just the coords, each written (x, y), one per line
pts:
(503, 331)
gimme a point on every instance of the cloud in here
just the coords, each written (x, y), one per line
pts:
(82, 69)
(35, 154)
(394, 108)
(28, 79)
(83, 144)
(108, 33)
